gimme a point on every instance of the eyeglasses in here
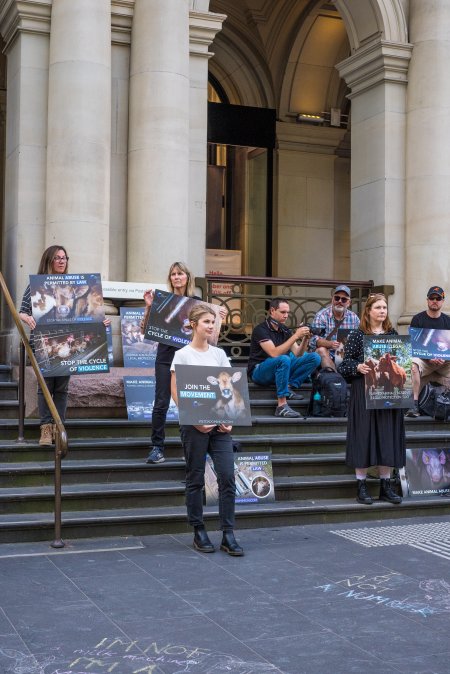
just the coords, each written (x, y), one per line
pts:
(435, 298)
(340, 298)
(59, 258)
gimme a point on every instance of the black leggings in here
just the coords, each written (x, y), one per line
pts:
(161, 405)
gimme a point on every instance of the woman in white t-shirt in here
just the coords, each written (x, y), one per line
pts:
(207, 439)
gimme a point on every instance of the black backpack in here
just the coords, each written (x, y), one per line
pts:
(332, 389)
(434, 401)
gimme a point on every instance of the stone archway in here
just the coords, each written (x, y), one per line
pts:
(368, 19)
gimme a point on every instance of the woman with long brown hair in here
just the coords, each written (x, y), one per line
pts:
(374, 437)
(54, 260)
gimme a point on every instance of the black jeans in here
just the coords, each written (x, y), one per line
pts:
(220, 448)
(161, 404)
(58, 387)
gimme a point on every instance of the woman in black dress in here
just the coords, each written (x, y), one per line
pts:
(374, 437)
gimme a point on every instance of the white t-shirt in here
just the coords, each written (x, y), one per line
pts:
(189, 356)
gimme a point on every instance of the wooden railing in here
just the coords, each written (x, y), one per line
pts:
(247, 297)
(61, 441)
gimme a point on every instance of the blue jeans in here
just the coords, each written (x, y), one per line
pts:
(285, 371)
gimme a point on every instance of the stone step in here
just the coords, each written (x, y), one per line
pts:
(33, 474)
(5, 373)
(8, 390)
(261, 425)
(145, 521)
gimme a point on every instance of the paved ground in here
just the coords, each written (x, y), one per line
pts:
(304, 600)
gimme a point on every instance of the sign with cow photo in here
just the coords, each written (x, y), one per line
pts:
(168, 321)
(253, 475)
(388, 383)
(69, 337)
(431, 343)
(213, 395)
(427, 472)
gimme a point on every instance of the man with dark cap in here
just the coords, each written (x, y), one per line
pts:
(334, 317)
(432, 318)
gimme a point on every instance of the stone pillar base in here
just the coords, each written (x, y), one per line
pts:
(90, 396)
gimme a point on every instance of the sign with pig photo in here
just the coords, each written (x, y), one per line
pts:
(430, 344)
(389, 382)
(253, 475)
(69, 337)
(213, 395)
(427, 472)
(168, 320)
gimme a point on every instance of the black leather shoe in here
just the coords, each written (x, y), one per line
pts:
(387, 493)
(229, 544)
(363, 495)
(202, 542)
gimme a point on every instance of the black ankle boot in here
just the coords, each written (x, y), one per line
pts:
(363, 495)
(229, 544)
(201, 541)
(387, 493)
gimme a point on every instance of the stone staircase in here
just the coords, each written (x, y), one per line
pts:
(109, 490)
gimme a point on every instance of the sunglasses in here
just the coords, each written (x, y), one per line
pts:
(435, 298)
(340, 298)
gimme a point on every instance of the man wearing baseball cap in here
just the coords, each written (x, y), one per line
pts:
(432, 318)
(334, 317)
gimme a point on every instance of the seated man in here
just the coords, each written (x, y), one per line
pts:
(276, 358)
(331, 319)
(432, 318)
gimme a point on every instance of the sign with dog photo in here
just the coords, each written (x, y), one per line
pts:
(253, 475)
(69, 337)
(389, 382)
(213, 395)
(168, 321)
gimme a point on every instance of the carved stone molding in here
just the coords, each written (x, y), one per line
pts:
(26, 16)
(203, 28)
(375, 62)
(121, 21)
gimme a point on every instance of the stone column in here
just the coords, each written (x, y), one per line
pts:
(377, 76)
(158, 144)
(428, 141)
(203, 27)
(121, 22)
(25, 28)
(79, 132)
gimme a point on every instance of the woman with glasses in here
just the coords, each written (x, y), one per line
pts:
(54, 261)
(374, 437)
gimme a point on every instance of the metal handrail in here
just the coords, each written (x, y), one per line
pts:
(61, 441)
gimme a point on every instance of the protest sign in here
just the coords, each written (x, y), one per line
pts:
(137, 352)
(168, 320)
(427, 472)
(69, 337)
(140, 398)
(388, 384)
(431, 343)
(253, 475)
(213, 395)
